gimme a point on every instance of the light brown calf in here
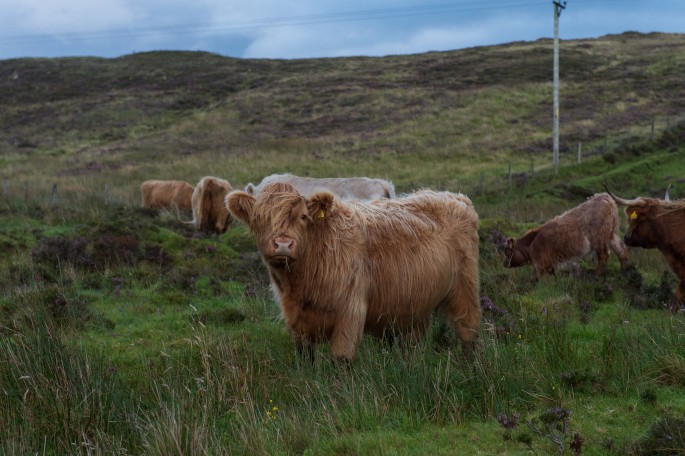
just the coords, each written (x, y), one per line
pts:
(166, 194)
(592, 226)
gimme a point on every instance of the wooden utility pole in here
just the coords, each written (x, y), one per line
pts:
(558, 6)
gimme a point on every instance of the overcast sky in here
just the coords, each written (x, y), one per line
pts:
(310, 28)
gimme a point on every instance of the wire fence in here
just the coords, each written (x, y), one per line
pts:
(510, 177)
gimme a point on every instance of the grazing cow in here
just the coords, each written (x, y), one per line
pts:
(347, 188)
(341, 268)
(166, 194)
(592, 226)
(209, 210)
(654, 224)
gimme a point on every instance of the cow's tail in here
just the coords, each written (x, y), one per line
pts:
(199, 203)
(389, 190)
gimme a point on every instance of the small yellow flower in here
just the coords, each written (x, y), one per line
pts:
(520, 336)
(273, 413)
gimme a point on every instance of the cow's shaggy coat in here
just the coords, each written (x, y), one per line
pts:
(209, 211)
(593, 226)
(339, 269)
(347, 188)
(655, 224)
(166, 194)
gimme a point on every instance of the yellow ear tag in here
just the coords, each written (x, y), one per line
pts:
(633, 216)
(320, 214)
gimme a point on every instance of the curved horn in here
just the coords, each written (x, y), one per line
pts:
(639, 201)
(666, 197)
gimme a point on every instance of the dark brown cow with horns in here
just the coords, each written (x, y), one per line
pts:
(658, 224)
(340, 268)
(592, 226)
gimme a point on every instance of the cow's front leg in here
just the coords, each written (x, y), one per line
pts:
(304, 345)
(347, 333)
(679, 300)
(602, 258)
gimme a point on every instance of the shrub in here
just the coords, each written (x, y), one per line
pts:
(665, 437)
(109, 250)
(58, 250)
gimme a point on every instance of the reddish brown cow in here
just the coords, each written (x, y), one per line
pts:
(166, 194)
(209, 210)
(592, 226)
(341, 268)
(659, 224)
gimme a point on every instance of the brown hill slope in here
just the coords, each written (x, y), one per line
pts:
(489, 103)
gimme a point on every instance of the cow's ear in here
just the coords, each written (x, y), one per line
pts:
(319, 205)
(240, 205)
(249, 188)
(509, 244)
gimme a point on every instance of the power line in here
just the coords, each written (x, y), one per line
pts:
(313, 19)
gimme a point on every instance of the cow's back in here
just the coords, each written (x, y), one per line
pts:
(166, 194)
(596, 219)
(347, 188)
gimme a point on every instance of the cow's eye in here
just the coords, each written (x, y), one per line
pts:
(303, 217)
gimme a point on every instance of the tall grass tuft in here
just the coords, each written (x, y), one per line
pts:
(57, 397)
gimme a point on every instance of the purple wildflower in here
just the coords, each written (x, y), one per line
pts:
(509, 422)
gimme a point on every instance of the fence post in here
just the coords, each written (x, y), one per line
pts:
(580, 145)
(532, 168)
(651, 133)
(509, 176)
(53, 195)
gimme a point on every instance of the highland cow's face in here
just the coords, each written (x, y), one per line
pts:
(642, 232)
(280, 229)
(513, 257)
(280, 220)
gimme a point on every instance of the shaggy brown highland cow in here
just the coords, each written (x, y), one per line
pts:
(339, 269)
(590, 227)
(654, 224)
(347, 188)
(209, 210)
(166, 194)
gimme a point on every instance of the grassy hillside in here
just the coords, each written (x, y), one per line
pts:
(189, 114)
(123, 331)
